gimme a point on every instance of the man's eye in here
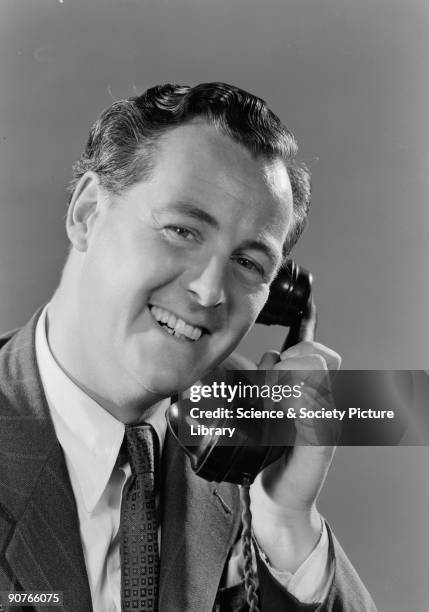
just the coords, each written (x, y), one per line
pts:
(178, 231)
(250, 265)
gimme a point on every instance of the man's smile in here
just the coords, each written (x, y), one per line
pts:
(176, 326)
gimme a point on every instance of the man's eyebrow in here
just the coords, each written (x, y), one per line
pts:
(194, 211)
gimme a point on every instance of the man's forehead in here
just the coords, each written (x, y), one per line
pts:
(277, 178)
(198, 149)
(199, 137)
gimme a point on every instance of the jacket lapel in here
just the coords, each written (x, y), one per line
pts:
(42, 547)
(200, 522)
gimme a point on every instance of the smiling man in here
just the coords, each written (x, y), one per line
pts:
(183, 207)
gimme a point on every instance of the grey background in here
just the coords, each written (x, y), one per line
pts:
(350, 79)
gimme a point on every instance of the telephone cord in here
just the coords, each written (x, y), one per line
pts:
(246, 540)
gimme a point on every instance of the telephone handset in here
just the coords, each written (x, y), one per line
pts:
(289, 297)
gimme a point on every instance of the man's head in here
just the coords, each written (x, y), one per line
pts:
(182, 205)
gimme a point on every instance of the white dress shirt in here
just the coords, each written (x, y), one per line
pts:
(91, 439)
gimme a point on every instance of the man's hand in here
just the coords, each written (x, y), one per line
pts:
(286, 523)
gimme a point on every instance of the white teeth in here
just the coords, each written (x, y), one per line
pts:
(180, 336)
(164, 316)
(176, 326)
(180, 326)
(157, 312)
(195, 333)
(188, 330)
(171, 321)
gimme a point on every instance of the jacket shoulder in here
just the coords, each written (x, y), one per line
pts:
(6, 336)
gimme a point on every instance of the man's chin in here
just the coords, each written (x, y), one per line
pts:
(169, 375)
(166, 385)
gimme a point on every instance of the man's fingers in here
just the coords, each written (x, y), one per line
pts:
(305, 350)
(313, 361)
(268, 361)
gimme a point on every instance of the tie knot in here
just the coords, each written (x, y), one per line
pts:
(142, 444)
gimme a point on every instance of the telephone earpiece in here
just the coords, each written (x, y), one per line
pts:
(289, 295)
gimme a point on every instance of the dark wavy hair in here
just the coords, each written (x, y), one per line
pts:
(121, 147)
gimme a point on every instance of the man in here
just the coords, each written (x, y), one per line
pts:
(183, 207)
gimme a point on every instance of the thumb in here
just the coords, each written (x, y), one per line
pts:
(268, 360)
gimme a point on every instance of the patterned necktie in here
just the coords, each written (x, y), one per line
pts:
(139, 528)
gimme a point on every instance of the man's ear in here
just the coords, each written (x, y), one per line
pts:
(83, 209)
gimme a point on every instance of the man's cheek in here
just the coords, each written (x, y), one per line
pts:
(233, 339)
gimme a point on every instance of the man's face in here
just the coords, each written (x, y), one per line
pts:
(178, 267)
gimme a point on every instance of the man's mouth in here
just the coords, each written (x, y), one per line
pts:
(176, 326)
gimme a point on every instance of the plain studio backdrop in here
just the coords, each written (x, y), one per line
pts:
(350, 79)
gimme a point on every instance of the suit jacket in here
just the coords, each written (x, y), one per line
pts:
(40, 547)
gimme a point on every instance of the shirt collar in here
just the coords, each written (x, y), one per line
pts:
(89, 435)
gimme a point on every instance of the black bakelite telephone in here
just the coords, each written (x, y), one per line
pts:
(289, 296)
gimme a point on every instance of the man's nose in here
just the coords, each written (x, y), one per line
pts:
(206, 284)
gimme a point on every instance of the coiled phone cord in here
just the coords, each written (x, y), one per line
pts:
(246, 541)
